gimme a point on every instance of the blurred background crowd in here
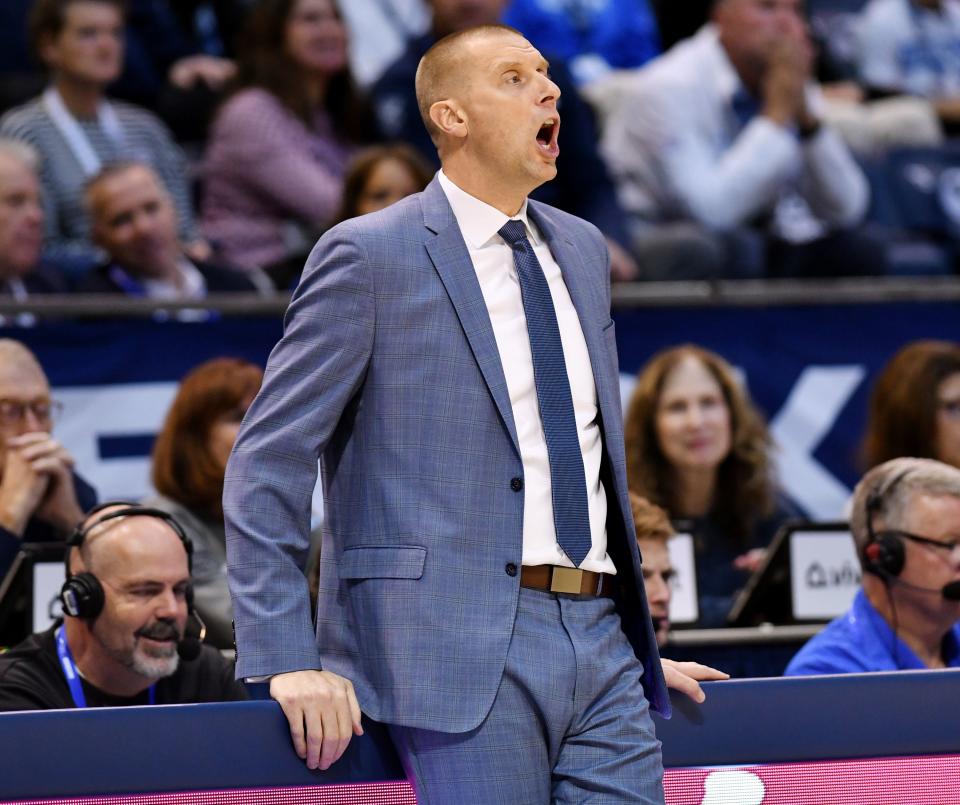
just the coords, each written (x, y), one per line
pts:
(170, 148)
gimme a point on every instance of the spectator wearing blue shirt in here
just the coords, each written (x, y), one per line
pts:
(592, 36)
(906, 525)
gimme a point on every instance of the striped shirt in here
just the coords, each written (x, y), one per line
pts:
(145, 139)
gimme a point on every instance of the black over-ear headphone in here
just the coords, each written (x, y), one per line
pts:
(82, 593)
(884, 554)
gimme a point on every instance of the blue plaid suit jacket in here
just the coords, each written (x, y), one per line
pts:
(389, 372)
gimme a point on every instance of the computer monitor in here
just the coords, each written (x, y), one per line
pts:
(810, 574)
(29, 591)
(684, 608)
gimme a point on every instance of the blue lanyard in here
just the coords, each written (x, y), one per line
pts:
(73, 676)
(128, 284)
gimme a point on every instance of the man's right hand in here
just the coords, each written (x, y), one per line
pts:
(789, 68)
(323, 712)
(25, 482)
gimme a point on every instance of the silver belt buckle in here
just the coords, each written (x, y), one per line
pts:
(566, 580)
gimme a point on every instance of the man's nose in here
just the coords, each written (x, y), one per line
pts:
(143, 224)
(789, 20)
(168, 605)
(658, 591)
(35, 213)
(31, 423)
(551, 92)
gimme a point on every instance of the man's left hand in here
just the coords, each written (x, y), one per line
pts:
(211, 70)
(59, 505)
(687, 676)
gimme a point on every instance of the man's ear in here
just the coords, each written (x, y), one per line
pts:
(47, 49)
(449, 118)
(77, 565)
(96, 235)
(96, 228)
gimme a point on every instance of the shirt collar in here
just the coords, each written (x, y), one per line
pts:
(724, 75)
(887, 644)
(194, 285)
(479, 221)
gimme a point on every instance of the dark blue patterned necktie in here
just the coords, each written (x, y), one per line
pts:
(567, 479)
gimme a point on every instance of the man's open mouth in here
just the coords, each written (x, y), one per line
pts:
(547, 136)
(160, 634)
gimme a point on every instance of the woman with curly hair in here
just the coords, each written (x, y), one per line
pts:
(189, 462)
(697, 447)
(915, 406)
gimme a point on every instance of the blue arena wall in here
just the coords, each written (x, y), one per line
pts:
(247, 744)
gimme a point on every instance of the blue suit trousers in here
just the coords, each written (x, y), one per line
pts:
(569, 724)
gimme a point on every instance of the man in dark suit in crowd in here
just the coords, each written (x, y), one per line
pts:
(134, 221)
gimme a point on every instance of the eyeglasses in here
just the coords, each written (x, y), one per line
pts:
(12, 412)
(948, 547)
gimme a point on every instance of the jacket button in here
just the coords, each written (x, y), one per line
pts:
(511, 569)
(516, 484)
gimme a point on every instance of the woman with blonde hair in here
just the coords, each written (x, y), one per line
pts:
(698, 447)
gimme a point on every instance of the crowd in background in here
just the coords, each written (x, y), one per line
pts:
(179, 148)
(171, 150)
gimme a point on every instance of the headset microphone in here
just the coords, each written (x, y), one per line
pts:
(82, 594)
(885, 554)
(951, 591)
(189, 646)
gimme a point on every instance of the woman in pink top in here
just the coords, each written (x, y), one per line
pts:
(280, 144)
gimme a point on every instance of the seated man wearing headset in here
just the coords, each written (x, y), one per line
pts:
(128, 623)
(906, 525)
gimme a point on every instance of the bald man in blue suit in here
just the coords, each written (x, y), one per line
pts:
(453, 363)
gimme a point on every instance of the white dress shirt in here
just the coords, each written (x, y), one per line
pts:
(379, 32)
(905, 47)
(677, 151)
(194, 285)
(493, 262)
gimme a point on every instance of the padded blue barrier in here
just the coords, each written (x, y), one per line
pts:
(247, 744)
(815, 718)
(117, 750)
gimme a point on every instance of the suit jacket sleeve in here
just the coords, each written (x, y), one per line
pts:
(312, 376)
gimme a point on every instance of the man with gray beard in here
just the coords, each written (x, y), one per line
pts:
(126, 612)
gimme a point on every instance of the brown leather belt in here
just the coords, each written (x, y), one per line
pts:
(573, 581)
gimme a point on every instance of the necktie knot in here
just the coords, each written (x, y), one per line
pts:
(514, 233)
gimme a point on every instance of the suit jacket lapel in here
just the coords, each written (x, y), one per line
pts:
(452, 261)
